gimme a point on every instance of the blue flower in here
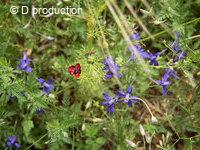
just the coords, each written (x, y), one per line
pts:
(164, 83)
(12, 97)
(129, 99)
(137, 48)
(182, 55)
(179, 55)
(40, 111)
(111, 68)
(175, 59)
(134, 36)
(24, 63)
(175, 45)
(12, 142)
(109, 102)
(47, 86)
(153, 58)
(170, 72)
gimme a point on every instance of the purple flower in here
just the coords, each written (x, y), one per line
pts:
(134, 36)
(109, 102)
(164, 83)
(175, 59)
(175, 45)
(176, 48)
(24, 63)
(40, 111)
(47, 86)
(111, 68)
(137, 48)
(129, 99)
(153, 58)
(12, 98)
(183, 54)
(180, 56)
(170, 72)
(12, 142)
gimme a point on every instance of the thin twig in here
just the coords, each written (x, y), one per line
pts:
(37, 141)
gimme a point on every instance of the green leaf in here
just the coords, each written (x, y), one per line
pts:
(27, 126)
(100, 140)
(91, 131)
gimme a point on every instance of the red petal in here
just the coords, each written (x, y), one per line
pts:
(71, 70)
(77, 75)
(78, 66)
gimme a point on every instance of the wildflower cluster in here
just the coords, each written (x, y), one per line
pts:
(138, 49)
(47, 86)
(118, 76)
(112, 69)
(120, 97)
(25, 66)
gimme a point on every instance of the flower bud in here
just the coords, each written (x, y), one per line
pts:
(83, 127)
(97, 120)
(88, 105)
(148, 138)
(154, 119)
(142, 131)
(133, 145)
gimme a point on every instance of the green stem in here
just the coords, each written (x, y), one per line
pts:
(37, 141)
(144, 142)
(170, 29)
(144, 104)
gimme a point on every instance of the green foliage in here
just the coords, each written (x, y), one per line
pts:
(73, 117)
(27, 126)
(60, 123)
(93, 140)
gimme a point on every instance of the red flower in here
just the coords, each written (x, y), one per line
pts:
(75, 70)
